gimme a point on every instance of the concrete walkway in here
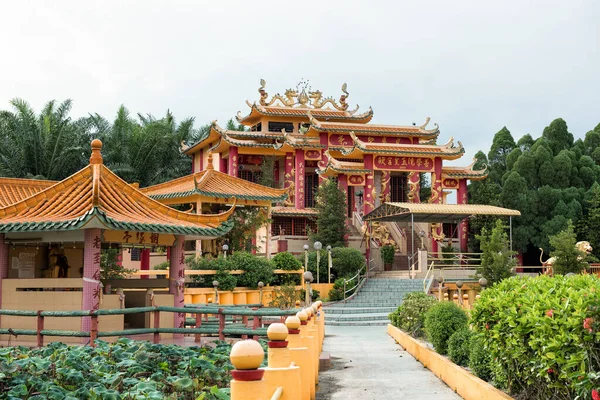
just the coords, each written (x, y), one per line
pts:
(366, 363)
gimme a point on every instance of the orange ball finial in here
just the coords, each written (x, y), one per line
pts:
(96, 157)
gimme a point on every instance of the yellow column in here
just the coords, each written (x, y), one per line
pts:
(308, 341)
(281, 372)
(301, 357)
(310, 332)
(247, 383)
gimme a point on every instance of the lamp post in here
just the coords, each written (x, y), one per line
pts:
(459, 285)
(318, 246)
(308, 278)
(216, 286)
(305, 263)
(225, 248)
(329, 264)
(260, 290)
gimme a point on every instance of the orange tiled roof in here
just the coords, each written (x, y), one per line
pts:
(212, 183)
(317, 125)
(293, 212)
(13, 190)
(258, 111)
(95, 196)
(333, 167)
(465, 172)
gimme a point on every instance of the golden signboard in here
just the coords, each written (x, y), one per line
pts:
(138, 238)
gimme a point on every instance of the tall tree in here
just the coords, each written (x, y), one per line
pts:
(558, 135)
(331, 214)
(568, 258)
(497, 258)
(502, 145)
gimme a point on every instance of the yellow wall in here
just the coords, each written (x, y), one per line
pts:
(74, 258)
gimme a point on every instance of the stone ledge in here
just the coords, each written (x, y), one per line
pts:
(465, 384)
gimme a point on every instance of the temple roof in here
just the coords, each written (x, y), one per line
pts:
(13, 190)
(317, 126)
(465, 172)
(447, 151)
(334, 167)
(293, 212)
(257, 112)
(96, 197)
(212, 183)
(289, 141)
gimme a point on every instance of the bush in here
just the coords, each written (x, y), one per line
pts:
(337, 292)
(387, 254)
(479, 359)
(410, 316)
(287, 262)
(315, 295)
(256, 269)
(459, 347)
(441, 321)
(162, 266)
(285, 297)
(542, 334)
(345, 263)
(223, 267)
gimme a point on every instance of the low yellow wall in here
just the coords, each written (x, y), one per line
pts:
(467, 385)
(323, 288)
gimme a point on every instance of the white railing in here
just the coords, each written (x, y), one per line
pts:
(277, 394)
(428, 280)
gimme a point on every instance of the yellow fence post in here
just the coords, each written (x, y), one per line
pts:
(301, 357)
(247, 383)
(281, 372)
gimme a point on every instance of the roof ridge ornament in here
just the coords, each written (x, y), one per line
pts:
(96, 157)
(209, 162)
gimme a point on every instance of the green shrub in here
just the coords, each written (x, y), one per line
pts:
(285, 297)
(257, 269)
(345, 263)
(162, 266)
(410, 316)
(441, 321)
(543, 335)
(479, 359)
(387, 254)
(459, 347)
(287, 262)
(315, 294)
(337, 292)
(221, 265)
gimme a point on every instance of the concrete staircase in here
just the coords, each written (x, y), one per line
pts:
(378, 297)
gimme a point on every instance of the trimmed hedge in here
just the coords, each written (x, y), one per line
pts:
(441, 321)
(410, 315)
(543, 335)
(459, 347)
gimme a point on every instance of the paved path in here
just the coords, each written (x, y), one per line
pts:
(366, 363)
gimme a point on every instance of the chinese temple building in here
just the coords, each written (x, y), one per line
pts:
(314, 138)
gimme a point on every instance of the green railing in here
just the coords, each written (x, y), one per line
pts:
(214, 323)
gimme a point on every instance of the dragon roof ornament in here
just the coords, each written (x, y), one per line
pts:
(302, 97)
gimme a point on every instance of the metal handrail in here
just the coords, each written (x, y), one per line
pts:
(429, 270)
(360, 281)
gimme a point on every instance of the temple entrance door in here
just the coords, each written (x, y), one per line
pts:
(350, 201)
(311, 184)
(398, 188)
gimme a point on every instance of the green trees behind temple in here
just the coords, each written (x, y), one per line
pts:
(551, 180)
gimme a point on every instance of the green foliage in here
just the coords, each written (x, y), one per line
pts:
(345, 262)
(125, 370)
(285, 297)
(223, 276)
(588, 228)
(441, 321)
(459, 347)
(337, 291)
(387, 254)
(315, 294)
(257, 269)
(410, 315)
(496, 260)
(162, 266)
(542, 335)
(479, 359)
(109, 268)
(267, 168)
(288, 262)
(247, 220)
(331, 218)
(567, 257)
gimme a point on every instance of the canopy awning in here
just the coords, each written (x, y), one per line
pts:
(425, 212)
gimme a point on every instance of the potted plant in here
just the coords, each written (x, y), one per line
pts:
(387, 254)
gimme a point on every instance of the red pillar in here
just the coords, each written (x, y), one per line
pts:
(90, 298)
(232, 167)
(414, 186)
(343, 185)
(222, 164)
(299, 181)
(323, 139)
(3, 264)
(145, 262)
(385, 186)
(288, 177)
(368, 198)
(436, 196)
(464, 224)
(177, 280)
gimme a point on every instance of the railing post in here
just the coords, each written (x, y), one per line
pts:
(221, 324)
(344, 291)
(198, 336)
(156, 315)
(245, 322)
(93, 328)
(255, 325)
(40, 327)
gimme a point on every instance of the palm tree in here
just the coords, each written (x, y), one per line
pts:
(45, 146)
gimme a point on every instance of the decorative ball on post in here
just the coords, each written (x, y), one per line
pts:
(483, 283)
(440, 281)
(261, 285)
(246, 357)
(306, 247)
(308, 278)
(225, 248)
(459, 285)
(277, 332)
(216, 286)
(292, 323)
(318, 246)
(329, 262)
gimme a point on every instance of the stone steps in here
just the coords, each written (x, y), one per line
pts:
(357, 310)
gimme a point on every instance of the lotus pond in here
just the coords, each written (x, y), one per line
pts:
(126, 369)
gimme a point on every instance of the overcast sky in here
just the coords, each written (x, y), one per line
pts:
(473, 66)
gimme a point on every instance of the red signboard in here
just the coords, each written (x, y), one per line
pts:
(450, 183)
(312, 155)
(404, 163)
(356, 180)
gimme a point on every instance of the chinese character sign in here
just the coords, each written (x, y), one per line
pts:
(450, 183)
(403, 163)
(356, 180)
(312, 155)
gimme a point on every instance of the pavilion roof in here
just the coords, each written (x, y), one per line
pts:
(425, 212)
(447, 151)
(282, 211)
(465, 172)
(212, 183)
(96, 197)
(13, 190)
(317, 126)
(257, 112)
(290, 141)
(334, 167)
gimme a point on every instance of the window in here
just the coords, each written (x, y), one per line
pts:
(256, 128)
(311, 183)
(278, 126)
(398, 188)
(292, 226)
(136, 254)
(450, 230)
(246, 175)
